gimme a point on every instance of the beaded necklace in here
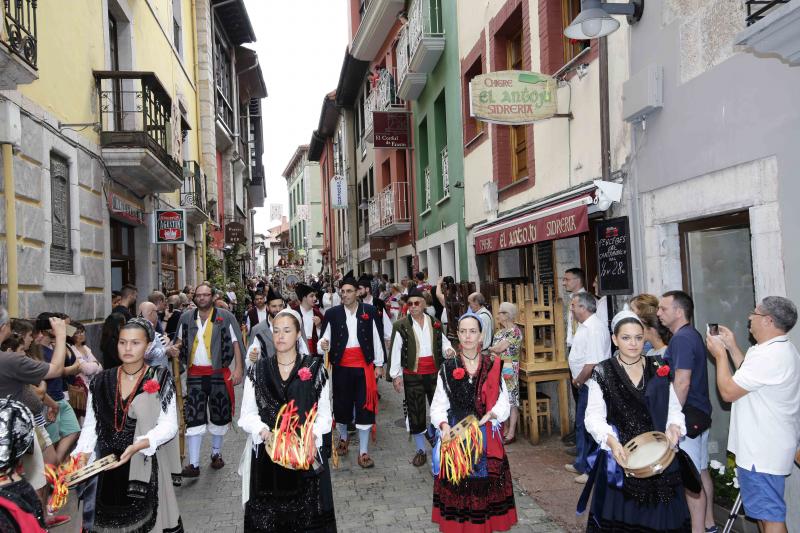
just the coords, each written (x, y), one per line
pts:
(127, 403)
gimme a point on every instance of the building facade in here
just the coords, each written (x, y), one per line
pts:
(304, 184)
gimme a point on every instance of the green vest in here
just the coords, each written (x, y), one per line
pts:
(405, 328)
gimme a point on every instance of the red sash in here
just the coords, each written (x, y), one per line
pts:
(198, 371)
(425, 366)
(354, 358)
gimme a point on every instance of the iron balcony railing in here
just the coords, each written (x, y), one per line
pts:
(427, 187)
(382, 97)
(758, 9)
(424, 19)
(19, 19)
(389, 207)
(445, 173)
(403, 58)
(135, 110)
(193, 192)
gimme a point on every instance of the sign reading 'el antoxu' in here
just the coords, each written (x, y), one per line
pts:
(513, 97)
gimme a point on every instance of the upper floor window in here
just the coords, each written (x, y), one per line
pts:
(223, 81)
(472, 126)
(177, 23)
(519, 138)
(572, 47)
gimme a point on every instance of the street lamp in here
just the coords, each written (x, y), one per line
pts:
(595, 19)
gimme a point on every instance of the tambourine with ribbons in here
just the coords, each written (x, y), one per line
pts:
(461, 448)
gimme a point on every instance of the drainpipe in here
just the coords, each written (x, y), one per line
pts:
(605, 132)
(11, 230)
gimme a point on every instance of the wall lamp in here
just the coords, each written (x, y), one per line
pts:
(595, 19)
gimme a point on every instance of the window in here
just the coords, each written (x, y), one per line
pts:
(472, 126)
(60, 245)
(519, 141)
(223, 81)
(169, 267)
(572, 47)
(177, 33)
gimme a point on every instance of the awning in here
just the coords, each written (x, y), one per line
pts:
(549, 223)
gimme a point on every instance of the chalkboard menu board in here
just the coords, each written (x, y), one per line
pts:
(614, 274)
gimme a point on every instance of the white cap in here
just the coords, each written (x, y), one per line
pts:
(623, 315)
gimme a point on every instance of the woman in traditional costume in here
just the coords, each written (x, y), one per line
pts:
(630, 394)
(276, 498)
(131, 413)
(471, 384)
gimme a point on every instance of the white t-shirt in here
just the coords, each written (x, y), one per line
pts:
(765, 423)
(591, 345)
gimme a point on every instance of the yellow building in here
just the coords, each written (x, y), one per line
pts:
(100, 110)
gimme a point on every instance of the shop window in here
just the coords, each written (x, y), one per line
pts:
(519, 139)
(123, 260)
(60, 245)
(572, 47)
(169, 267)
(472, 126)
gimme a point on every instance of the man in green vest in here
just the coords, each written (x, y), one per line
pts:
(418, 345)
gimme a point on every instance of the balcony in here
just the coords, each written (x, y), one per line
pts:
(193, 193)
(388, 211)
(383, 97)
(445, 173)
(427, 189)
(18, 45)
(425, 35)
(379, 16)
(409, 84)
(136, 131)
(773, 29)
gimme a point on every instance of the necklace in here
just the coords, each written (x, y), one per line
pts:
(470, 358)
(284, 364)
(470, 375)
(132, 375)
(127, 403)
(621, 360)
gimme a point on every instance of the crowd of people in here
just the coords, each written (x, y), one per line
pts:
(314, 364)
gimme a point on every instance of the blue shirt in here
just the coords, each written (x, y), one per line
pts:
(57, 386)
(686, 351)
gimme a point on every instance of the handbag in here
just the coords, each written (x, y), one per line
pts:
(697, 420)
(689, 474)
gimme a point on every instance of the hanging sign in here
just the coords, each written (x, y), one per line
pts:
(614, 275)
(170, 226)
(512, 97)
(275, 211)
(234, 233)
(338, 188)
(302, 212)
(125, 209)
(392, 129)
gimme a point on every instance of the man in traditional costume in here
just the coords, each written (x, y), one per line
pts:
(365, 286)
(311, 316)
(211, 339)
(352, 333)
(261, 335)
(418, 345)
(258, 313)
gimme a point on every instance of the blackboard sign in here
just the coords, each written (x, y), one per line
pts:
(614, 274)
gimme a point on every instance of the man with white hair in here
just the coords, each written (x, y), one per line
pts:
(477, 304)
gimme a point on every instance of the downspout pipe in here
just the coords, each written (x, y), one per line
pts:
(11, 230)
(605, 129)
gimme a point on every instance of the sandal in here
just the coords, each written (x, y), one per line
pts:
(341, 448)
(364, 461)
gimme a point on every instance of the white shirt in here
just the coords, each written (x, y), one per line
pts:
(262, 316)
(352, 336)
(387, 322)
(425, 348)
(329, 299)
(231, 296)
(308, 322)
(487, 326)
(765, 423)
(256, 345)
(591, 345)
(597, 424)
(569, 315)
(250, 421)
(441, 403)
(201, 356)
(165, 429)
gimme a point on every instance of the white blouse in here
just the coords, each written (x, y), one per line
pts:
(441, 403)
(250, 421)
(165, 430)
(597, 424)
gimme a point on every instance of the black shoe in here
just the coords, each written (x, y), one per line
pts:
(569, 437)
(190, 471)
(572, 451)
(569, 443)
(351, 428)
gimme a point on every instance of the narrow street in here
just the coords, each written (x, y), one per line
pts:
(393, 496)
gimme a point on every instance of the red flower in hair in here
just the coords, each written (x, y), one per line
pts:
(304, 374)
(458, 373)
(151, 386)
(365, 316)
(663, 371)
(437, 325)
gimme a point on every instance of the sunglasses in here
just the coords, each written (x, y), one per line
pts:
(415, 303)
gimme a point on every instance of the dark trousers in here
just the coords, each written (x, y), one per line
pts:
(584, 442)
(418, 388)
(349, 395)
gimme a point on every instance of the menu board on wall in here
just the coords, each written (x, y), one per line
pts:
(614, 275)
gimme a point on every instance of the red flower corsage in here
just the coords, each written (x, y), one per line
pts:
(458, 373)
(219, 319)
(365, 316)
(437, 325)
(304, 374)
(663, 370)
(151, 386)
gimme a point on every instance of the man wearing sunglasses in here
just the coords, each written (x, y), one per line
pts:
(418, 345)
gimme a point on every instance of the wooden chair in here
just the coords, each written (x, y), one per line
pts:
(543, 412)
(524, 417)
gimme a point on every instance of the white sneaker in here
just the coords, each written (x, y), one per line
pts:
(571, 469)
(582, 479)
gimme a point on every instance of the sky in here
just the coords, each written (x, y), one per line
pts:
(300, 46)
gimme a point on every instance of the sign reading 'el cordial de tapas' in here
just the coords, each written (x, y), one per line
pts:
(512, 97)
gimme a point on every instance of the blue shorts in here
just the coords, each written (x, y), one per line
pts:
(762, 495)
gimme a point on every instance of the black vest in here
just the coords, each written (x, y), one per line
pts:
(336, 319)
(271, 393)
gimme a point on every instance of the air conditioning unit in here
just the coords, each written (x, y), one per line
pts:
(643, 93)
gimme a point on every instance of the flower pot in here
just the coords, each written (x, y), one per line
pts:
(742, 524)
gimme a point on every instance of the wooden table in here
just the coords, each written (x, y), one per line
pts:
(564, 383)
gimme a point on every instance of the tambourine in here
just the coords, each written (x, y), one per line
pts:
(88, 471)
(461, 449)
(290, 441)
(649, 454)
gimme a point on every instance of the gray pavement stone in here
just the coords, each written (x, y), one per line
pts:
(393, 496)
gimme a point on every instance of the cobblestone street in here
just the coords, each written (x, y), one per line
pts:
(393, 496)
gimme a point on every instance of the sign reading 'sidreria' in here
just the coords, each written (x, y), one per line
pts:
(513, 97)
